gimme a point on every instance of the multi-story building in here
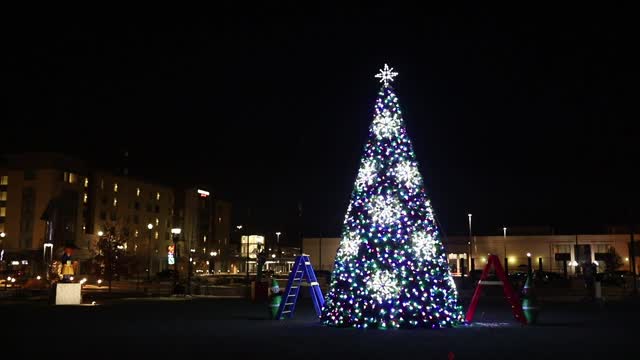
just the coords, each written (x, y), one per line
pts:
(48, 198)
(41, 202)
(139, 212)
(206, 226)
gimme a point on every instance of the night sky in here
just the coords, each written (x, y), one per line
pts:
(520, 116)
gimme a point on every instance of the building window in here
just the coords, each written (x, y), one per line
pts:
(86, 182)
(3, 211)
(115, 187)
(113, 216)
(137, 205)
(136, 221)
(157, 196)
(103, 215)
(219, 220)
(156, 235)
(101, 184)
(148, 207)
(70, 177)
(115, 202)
(4, 180)
(85, 198)
(104, 200)
(3, 196)
(157, 221)
(136, 233)
(137, 191)
(157, 209)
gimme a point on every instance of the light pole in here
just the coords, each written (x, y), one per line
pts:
(212, 264)
(150, 227)
(176, 237)
(530, 270)
(471, 260)
(2, 236)
(506, 260)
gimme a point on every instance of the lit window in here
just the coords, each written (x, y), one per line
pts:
(4, 180)
(3, 196)
(115, 202)
(137, 191)
(86, 182)
(73, 178)
(3, 211)
(205, 238)
(84, 199)
(157, 196)
(65, 176)
(219, 220)
(157, 221)
(136, 234)
(115, 187)
(156, 235)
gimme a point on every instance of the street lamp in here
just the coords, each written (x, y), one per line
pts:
(150, 227)
(506, 261)
(175, 232)
(529, 262)
(2, 236)
(100, 233)
(471, 263)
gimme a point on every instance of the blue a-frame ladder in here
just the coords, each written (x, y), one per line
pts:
(302, 270)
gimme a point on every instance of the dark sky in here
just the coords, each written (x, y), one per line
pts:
(520, 116)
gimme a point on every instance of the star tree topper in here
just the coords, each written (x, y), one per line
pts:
(386, 75)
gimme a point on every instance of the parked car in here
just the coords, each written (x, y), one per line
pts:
(546, 276)
(614, 278)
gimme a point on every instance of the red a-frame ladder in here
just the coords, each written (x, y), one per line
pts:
(511, 296)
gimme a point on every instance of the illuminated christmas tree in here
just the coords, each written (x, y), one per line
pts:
(391, 270)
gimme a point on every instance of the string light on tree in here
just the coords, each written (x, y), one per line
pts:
(349, 245)
(386, 126)
(367, 174)
(391, 269)
(408, 173)
(383, 285)
(386, 75)
(424, 244)
(384, 209)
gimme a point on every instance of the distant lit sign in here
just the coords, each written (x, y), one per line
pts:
(203, 193)
(170, 257)
(15, 263)
(25, 262)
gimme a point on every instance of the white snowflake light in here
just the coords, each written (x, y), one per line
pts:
(424, 244)
(383, 285)
(386, 125)
(384, 210)
(408, 173)
(367, 174)
(386, 75)
(349, 245)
